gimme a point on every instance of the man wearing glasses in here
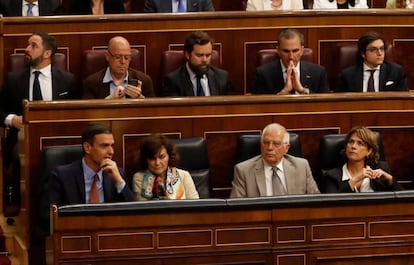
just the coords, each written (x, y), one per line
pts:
(118, 80)
(372, 74)
(273, 172)
(290, 74)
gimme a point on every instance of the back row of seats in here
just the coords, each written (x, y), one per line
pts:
(194, 156)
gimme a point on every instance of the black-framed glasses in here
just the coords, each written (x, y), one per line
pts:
(119, 57)
(376, 49)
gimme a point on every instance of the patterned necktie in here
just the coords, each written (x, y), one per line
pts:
(371, 87)
(37, 93)
(180, 7)
(200, 90)
(29, 9)
(94, 194)
(278, 188)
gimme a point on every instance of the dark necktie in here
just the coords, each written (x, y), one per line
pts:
(371, 87)
(200, 90)
(29, 9)
(180, 7)
(94, 194)
(278, 188)
(37, 93)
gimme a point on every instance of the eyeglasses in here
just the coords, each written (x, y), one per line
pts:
(119, 57)
(376, 49)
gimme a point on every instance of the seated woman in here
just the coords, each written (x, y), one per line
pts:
(362, 172)
(259, 5)
(158, 178)
(97, 7)
(339, 4)
(400, 4)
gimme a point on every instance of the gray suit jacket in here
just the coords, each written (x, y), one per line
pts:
(249, 177)
(165, 6)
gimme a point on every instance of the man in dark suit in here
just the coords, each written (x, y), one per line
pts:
(18, 8)
(372, 74)
(94, 179)
(52, 84)
(174, 6)
(290, 75)
(273, 172)
(197, 77)
(118, 80)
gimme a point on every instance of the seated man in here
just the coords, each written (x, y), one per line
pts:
(118, 80)
(290, 75)
(372, 74)
(273, 172)
(19, 8)
(198, 77)
(177, 6)
(95, 178)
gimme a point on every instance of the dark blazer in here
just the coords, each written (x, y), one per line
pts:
(269, 79)
(94, 88)
(178, 83)
(16, 88)
(46, 7)
(67, 186)
(392, 78)
(333, 181)
(83, 7)
(165, 6)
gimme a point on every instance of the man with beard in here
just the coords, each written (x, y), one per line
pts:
(372, 73)
(39, 81)
(118, 80)
(197, 77)
(24, 8)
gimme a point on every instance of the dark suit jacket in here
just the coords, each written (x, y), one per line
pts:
(67, 186)
(165, 6)
(16, 88)
(46, 7)
(333, 181)
(94, 88)
(178, 83)
(269, 79)
(83, 7)
(392, 78)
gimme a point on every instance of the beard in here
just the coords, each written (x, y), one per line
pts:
(33, 62)
(200, 69)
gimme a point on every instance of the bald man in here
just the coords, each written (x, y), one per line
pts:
(118, 80)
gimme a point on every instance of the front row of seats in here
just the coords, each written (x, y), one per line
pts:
(194, 156)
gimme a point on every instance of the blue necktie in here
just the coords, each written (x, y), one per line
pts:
(371, 87)
(37, 93)
(181, 7)
(30, 9)
(200, 90)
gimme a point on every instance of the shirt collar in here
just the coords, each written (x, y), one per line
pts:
(45, 70)
(108, 77)
(88, 172)
(366, 67)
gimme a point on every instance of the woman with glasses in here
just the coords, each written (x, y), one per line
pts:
(362, 170)
(157, 177)
(259, 5)
(400, 3)
(339, 4)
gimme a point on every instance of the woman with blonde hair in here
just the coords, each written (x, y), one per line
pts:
(260, 5)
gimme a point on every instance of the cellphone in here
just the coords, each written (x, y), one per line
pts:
(133, 82)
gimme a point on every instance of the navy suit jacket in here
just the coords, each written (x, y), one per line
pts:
(67, 186)
(165, 6)
(46, 7)
(269, 79)
(178, 83)
(392, 78)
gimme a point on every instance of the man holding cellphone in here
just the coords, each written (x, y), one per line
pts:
(118, 80)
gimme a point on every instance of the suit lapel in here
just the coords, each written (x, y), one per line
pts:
(260, 177)
(359, 80)
(80, 181)
(193, 5)
(382, 77)
(187, 84)
(212, 83)
(289, 171)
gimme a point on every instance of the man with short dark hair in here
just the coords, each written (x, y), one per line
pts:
(290, 74)
(197, 77)
(373, 73)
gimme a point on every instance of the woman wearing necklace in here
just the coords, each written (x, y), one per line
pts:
(339, 4)
(259, 5)
(400, 3)
(97, 7)
(157, 177)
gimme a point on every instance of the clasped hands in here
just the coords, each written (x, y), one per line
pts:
(292, 81)
(370, 173)
(130, 90)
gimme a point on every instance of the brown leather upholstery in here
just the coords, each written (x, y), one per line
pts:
(94, 60)
(265, 56)
(17, 62)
